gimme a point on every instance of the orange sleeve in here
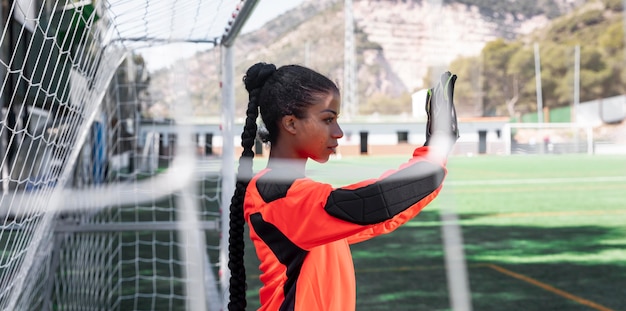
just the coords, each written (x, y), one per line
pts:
(402, 218)
(394, 223)
(320, 221)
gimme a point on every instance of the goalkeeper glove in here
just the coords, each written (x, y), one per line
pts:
(440, 110)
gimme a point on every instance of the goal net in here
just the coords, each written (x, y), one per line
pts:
(548, 138)
(102, 207)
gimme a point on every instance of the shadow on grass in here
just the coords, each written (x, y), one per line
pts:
(561, 268)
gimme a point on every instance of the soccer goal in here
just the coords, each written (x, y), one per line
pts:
(548, 138)
(103, 208)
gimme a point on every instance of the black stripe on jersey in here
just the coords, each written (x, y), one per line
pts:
(274, 184)
(290, 255)
(387, 197)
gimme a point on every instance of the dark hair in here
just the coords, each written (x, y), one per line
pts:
(288, 90)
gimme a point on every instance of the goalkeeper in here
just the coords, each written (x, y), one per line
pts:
(302, 229)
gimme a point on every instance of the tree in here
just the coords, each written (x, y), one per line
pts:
(468, 95)
(500, 84)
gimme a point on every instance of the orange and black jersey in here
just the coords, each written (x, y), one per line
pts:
(302, 229)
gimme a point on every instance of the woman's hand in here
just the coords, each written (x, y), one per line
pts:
(442, 121)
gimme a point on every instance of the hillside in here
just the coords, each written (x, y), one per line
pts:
(397, 43)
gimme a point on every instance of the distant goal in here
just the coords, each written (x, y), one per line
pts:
(548, 138)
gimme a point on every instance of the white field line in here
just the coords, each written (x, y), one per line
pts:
(531, 181)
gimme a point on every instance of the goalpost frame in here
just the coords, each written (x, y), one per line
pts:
(99, 73)
(508, 127)
(228, 148)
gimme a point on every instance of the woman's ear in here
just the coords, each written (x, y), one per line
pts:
(288, 123)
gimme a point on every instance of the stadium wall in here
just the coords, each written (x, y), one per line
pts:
(608, 110)
(399, 135)
(478, 136)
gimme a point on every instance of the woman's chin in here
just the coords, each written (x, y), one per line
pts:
(321, 160)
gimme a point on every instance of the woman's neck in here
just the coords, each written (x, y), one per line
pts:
(297, 166)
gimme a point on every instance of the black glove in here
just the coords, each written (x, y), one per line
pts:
(440, 110)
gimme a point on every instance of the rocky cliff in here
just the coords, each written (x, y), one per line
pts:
(397, 42)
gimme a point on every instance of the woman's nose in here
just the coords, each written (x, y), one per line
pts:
(337, 132)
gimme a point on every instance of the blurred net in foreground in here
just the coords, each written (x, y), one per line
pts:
(100, 211)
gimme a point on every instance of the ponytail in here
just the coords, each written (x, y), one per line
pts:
(254, 80)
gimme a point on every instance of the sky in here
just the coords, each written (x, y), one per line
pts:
(264, 11)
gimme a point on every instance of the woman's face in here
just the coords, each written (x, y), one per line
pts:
(319, 131)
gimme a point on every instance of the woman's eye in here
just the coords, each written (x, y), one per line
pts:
(330, 120)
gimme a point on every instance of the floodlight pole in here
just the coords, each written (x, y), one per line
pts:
(577, 81)
(538, 85)
(349, 100)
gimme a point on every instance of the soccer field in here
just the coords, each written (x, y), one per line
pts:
(539, 233)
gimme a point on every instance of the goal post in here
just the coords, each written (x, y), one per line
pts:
(548, 138)
(104, 208)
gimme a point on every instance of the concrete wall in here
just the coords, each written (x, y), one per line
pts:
(382, 137)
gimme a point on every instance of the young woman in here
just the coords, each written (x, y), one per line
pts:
(302, 229)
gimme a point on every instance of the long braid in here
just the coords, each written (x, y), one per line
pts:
(254, 80)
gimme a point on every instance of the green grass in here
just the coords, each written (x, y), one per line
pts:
(539, 233)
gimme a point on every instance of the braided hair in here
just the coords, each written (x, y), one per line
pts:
(288, 90)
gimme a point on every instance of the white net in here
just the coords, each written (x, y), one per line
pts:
(105, 209)
(102, 208)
